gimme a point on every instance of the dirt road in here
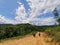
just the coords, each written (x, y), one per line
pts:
(30, 40)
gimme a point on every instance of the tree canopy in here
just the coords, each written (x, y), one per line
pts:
(56, 15)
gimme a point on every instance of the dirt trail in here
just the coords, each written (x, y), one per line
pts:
(30, 40)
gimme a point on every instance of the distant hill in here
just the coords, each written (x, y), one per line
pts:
(6, 24)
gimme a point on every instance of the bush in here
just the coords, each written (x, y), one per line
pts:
(55, 32)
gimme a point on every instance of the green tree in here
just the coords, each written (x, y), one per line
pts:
(56, 16)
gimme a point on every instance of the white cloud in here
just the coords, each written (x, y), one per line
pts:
(21, 14)
(43, 21)
(19, 3)
(46, 5)
(38, 7)
(4, 20)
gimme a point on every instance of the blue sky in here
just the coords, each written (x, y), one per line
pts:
(7, 8)
(28, 11)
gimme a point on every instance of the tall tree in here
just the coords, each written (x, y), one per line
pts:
(56, 15)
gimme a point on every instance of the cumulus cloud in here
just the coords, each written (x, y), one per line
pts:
(21, 14)
(37, 7)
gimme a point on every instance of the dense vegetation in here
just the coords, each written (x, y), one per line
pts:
(8, 31)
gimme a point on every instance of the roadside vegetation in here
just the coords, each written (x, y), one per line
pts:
(54, 32)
